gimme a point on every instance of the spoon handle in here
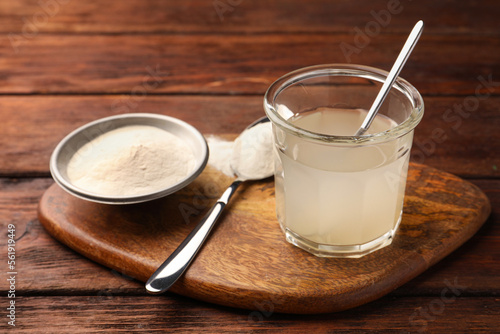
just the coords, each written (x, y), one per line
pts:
(173, 268)
(391, 77)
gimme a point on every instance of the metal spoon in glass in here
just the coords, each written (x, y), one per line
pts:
(251, 148)
(391, 77)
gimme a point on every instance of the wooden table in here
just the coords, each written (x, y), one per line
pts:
(65, 63)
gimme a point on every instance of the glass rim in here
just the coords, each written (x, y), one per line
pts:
(352, 70)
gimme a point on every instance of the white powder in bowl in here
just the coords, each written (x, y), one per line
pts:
(131, 160)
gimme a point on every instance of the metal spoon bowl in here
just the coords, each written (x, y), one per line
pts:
(177, 263)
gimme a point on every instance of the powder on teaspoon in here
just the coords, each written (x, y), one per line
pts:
(131, 160)
(251, 154)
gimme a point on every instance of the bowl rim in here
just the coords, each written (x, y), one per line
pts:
(64, 183)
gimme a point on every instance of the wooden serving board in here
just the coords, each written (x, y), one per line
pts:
(246, 261)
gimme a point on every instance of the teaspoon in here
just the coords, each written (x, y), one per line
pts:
(391, 77)
(177, 263)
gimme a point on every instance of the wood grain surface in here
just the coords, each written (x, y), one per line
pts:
(242, 64)
(238, 16)
(466, 146)
(247, 260)
(46, 258)
(108, 312)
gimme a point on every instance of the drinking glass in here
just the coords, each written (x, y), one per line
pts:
(337, 194)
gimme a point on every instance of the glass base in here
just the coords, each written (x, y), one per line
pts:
(344, 251)
(347, 251)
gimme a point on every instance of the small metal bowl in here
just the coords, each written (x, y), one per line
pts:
(79, 137)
